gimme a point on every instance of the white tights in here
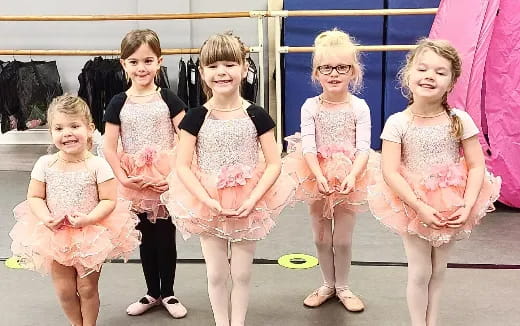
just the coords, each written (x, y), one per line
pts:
(426, 270)
(219, 269)
(333, 240)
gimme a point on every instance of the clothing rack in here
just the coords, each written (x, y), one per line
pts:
(281, 49)
(259, 15)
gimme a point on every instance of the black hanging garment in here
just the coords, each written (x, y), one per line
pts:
(202, 95)
(27, 90)
(250, 83)
(38, 84)
(182, 86)
(193, 84)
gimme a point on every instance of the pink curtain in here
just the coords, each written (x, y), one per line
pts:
(489, 87)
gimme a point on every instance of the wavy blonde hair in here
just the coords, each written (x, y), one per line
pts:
(337, 41)
(444, 49)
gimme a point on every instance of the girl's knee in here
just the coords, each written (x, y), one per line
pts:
(87, 290)
(242, 277)
(217, 278)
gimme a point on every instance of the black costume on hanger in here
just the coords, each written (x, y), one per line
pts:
(27, 90)
(250, 83)
(182, 86)
(193, 84)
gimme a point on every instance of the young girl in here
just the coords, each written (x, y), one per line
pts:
(145, 118)
(71, 222)
(335, 142)
(434, 188)
(228, 195)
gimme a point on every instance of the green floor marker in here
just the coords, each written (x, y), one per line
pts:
(297, 261)
(13, 263)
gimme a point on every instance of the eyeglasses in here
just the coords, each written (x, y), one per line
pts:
(340, 69)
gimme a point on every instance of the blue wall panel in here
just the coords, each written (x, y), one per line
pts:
(301, 31)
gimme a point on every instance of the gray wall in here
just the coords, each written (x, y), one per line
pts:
(108, 34)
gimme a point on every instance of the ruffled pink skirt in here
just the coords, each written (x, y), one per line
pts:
(154, 167)
(335, 163)
(443, 189)
(231, 188)
(85, 248)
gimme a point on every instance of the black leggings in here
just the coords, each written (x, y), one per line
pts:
(158, 255)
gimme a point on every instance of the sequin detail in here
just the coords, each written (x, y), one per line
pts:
(224, 143)
(69, 192)
(426, 146)
(146, 125)
(335, 127)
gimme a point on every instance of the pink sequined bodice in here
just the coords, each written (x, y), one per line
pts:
(71, 191)
(335, 127)
(146, 125)
(424, 147)
(224, 143)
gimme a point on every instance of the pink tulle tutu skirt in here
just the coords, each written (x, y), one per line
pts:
(336, 163)
(84, 248)
(230, 188)
(443, 189)
(154, 167)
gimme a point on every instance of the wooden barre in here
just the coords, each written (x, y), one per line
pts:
(364, 48)
(238, 14)
(101, 52)
(241, 14)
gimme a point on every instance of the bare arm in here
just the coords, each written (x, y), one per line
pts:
(272, 171)
(273, 165)
(110, 142)
(36, 200)
(176, 120)
(391, 161)
(476, 169)
(185, 150)
(107, 192)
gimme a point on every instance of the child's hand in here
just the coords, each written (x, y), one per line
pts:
(78, 220)
(245, 209)
(160, 186)
(52, 223)
(134, 183)
(323, 185)
(348, 184)
(430, 217)
(214, 206)
(459, 218)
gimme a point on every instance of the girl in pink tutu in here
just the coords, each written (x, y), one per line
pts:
(145, 119)
(223, 188)
(72, 222)
(329, 162)
(434, 187)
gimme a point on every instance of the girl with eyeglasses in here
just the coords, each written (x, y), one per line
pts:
(329, 161)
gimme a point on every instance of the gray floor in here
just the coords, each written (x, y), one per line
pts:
(472, 296)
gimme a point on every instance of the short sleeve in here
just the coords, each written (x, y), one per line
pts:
(193, 120)
(393, 129)
(103, 170)
(469, 128)
(363, 126)
(174, 103)
(261, 119)
(38, 171)
(113, 109)
(308, 127)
